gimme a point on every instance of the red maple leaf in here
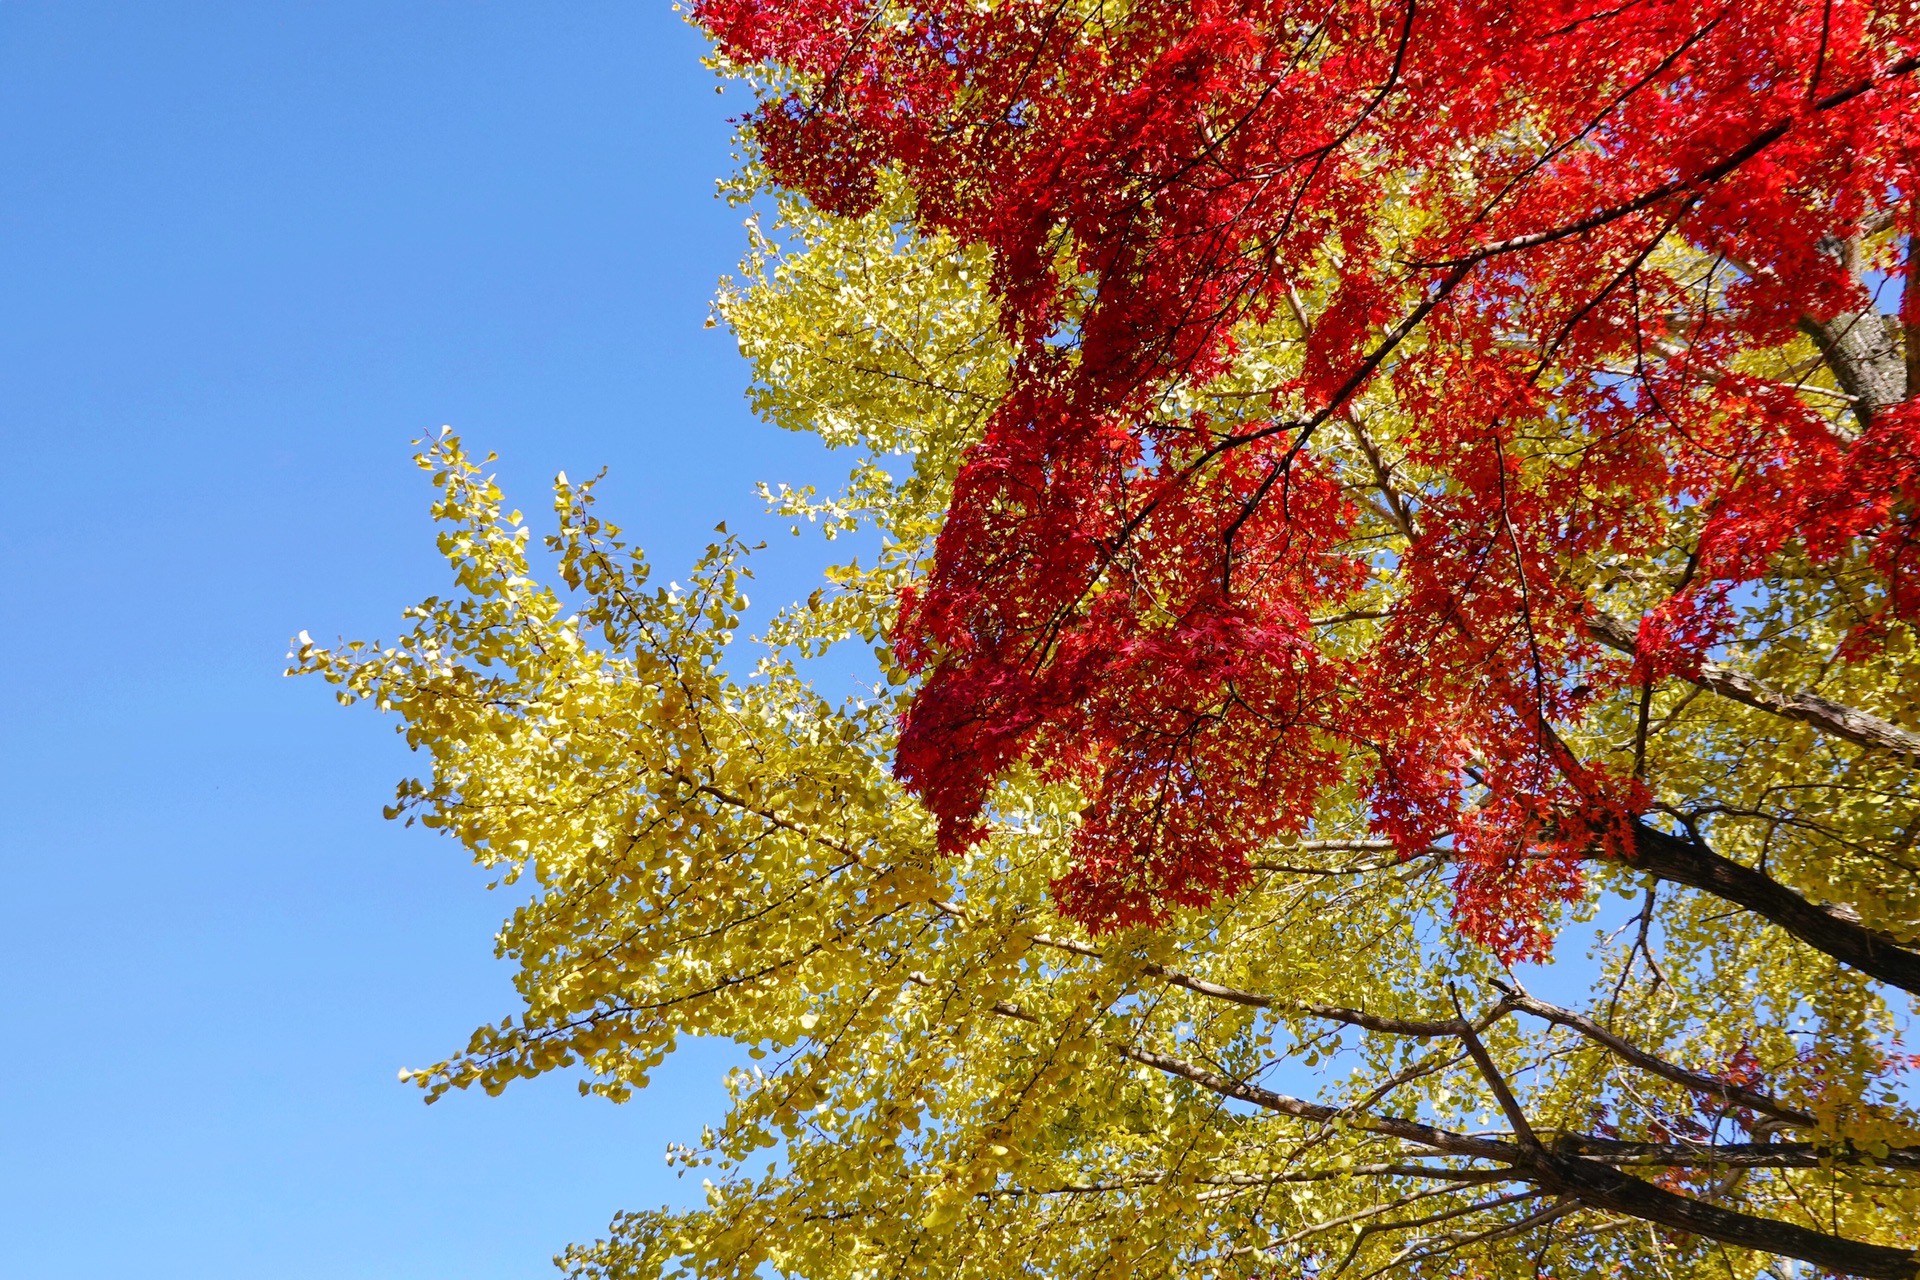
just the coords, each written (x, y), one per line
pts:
(1477, 193)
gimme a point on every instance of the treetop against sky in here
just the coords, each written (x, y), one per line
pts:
(1358, 485)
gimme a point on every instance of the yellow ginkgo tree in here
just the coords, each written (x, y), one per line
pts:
(1317, 1074)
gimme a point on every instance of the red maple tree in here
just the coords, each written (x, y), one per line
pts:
(1500, 210)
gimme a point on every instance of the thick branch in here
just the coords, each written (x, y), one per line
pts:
(1604, 1187)
(1489, 1072)
(1865, 362)
(1831, 718)
(1591, 1183)
(1875, 954)
(1730, 1155)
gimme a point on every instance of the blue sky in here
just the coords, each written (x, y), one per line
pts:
(248, 251)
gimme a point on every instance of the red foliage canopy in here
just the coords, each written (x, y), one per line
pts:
(1481, 194)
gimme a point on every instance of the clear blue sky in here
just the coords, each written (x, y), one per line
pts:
(247, 252)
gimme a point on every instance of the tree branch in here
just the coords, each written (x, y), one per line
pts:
(1604, 1187)
(1590, 1182)
(1425, 1135)
(1509, 1105)
(1858, 727)
(1726, 1091)
(1730, 1155)
(1858, 347)
(1874, 953)
(1864, 360)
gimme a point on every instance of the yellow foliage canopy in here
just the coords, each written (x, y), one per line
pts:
(1315, 1076)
